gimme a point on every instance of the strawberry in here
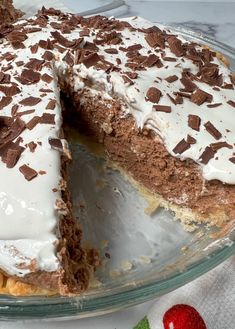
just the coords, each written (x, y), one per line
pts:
(182, 316)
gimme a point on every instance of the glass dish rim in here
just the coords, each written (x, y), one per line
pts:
(123, 296)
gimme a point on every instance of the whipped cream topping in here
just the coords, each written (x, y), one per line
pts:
(28, 211)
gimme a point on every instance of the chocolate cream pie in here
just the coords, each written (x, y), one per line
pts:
(162, 107)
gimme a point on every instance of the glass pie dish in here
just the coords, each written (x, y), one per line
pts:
(145, 253)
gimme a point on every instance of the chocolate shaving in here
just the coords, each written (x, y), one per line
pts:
(171, 78)
(153, 95)
(200, 96)
(13, 156)
(126, 79)
(14, 109)
(29, 77)
(42, 172)
(35, 64)
(207, 155)
(189, 86)
(33, 122)
(227, 86)
(210, 74)
(48, 56)
(134, 47)
(10, 91)
(153, 60)
(46, 44)
(176, 46)
(214, 105)
(34, 48)
(5, 78)
(28, 172)
(162, 108)
(14, 129)
(219, 145)
(191, 140)
(111, 51)
(232, 160)
(51, 104)
(32, 146)
(55, 143)
(194, 122)
(46, 90)
(30, 101)
(19, 63)
(181, 147)
(69, 59)
(155, 39)
(20, 114)
(46, 78)
(47, 118)
(91, 60)
(232, 103)
(62, 40)
(16, 36)
(5, 100)
(212, 130)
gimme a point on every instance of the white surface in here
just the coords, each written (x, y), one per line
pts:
(218, 21)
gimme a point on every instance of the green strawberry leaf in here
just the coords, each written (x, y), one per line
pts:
(143, 324)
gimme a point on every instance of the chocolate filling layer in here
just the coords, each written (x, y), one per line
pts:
(143, 155)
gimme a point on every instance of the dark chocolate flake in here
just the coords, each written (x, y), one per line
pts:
(91, 60)
(28, 172)
(232, 103)
(232, 160)
(33, 122)
(169, 59)
(47, 118)
(10, 91)
(200, 96)
(176, 46)
(62, 40)
(48, 56)
(32, 146)
(35, 64)
(46, 78)
(155, 39)
(111, 51)
(153, 95)
(194, 122)
(207, 155)
(69, 59)
(55, 143)
(13, 156)
(29, 77)
(20, 114)
(191, 140)
(212, 130)
(51, 104)
(152, 60)
(227, 86)
(126, 79)
(189, 86)
(214, 105)
(4, 101)
(181, 147)
(219, 145)
(171, 78)
(5, 78)
(162, 108)
(30, 101)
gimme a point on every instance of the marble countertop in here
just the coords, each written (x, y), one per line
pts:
(213, 18)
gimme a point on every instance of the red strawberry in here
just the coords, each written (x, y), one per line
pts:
(183, 317)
